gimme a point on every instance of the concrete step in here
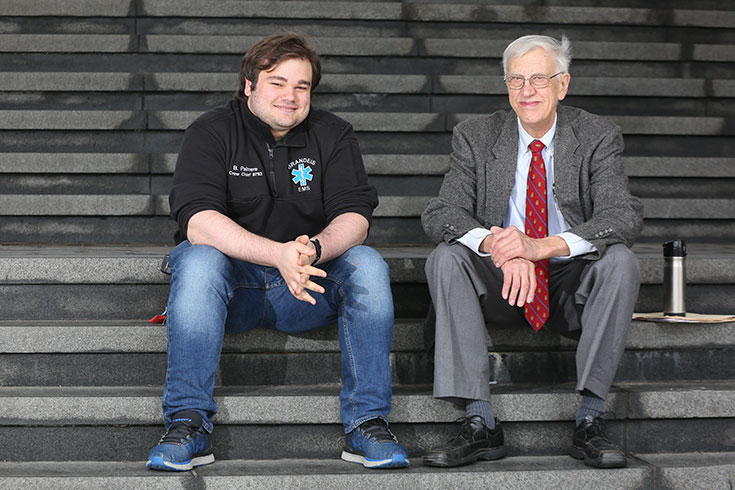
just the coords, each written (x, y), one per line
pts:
(447, 12)
(353, 102)
(88, 8)
(315, 27)
(591, 15)
(318, 28)
(381, 122)
(318, 404)
(322, 474)
(437, 141)
(48, 264)
(109, 353)
(418, 186)
(130, 336)
(109, 230)
(289, 422)
(397, 11)
(354, 46)
(570, 15)
(584, 50)
(386, 231)
(413, 206)
(297, 369)
(200, 82)
(142, 301)
(217, 82)
(105, 61)
(598, 86)
(649, 125)
(390, 206)
(38, 186)
(350, 10)
(90, 282)
(164, 43)
(375, 164)
(661, 471)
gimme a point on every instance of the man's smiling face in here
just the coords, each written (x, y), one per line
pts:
(536, 107)
(281, 97)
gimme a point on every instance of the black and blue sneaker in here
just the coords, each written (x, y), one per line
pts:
(373, 445)
(184, 445)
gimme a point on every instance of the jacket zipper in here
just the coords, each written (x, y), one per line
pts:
(271, 170)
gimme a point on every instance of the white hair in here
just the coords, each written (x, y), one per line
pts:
(560, 51)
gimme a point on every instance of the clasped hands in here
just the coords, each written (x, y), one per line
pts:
(511, 250)
(514, 253)
(294, 263)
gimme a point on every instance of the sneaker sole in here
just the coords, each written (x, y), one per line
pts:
(157, 463)
(490, 454)
(397, 461)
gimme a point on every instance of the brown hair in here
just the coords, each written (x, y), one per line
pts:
(271, 51)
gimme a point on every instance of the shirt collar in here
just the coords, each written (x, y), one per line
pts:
(525, 139)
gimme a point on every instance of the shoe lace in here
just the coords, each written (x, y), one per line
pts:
(378, 429)
(465, 433)
(179, 432)
(598, 427)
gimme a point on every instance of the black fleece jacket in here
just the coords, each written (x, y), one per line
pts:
(229, 162)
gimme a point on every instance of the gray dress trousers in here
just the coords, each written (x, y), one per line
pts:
(596, 296)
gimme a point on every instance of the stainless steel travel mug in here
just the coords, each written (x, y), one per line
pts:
(675, 278)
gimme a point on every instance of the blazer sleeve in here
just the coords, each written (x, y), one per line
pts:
(616, 215)
(454, 212)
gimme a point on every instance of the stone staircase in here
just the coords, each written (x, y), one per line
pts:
(94, 97)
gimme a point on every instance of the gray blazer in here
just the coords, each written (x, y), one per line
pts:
(590, 186)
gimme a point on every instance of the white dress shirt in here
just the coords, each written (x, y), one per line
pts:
(515, 216)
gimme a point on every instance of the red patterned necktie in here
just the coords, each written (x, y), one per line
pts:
(537, 312)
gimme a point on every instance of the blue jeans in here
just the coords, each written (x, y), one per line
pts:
(213, 294)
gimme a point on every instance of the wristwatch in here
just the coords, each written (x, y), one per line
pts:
(318, 248)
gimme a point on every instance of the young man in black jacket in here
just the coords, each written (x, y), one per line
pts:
(272, 202)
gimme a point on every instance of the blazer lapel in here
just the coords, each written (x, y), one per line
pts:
(501, 172)
(567, 164)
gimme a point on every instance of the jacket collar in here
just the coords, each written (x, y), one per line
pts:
(500, 174)
(567, 162)
(525, 139)
(565, 141)
(505, 150)
(507, 143)
(294, 138)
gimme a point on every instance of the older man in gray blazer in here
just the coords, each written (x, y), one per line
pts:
(534, 222)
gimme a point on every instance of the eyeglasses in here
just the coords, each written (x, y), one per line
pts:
(516, 82)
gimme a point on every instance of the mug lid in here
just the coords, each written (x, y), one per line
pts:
(675, 248)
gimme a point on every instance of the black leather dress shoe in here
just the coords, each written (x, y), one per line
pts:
(591, 444)
(474, 442)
